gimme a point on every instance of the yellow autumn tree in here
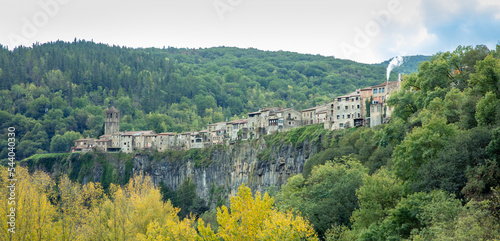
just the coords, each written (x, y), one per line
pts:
(92, 198)
(256, 219)
(154, 219)
(135, 212)
(172, 229)
(34, 214)
(72, 211)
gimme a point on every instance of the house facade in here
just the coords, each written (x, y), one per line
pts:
(344, 112)
(83, 145)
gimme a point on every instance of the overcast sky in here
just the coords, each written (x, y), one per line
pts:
(368, 31)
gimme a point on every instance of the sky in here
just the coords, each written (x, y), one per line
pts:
(367, 31)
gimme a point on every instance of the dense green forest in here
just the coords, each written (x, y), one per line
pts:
(56, 92)
(432, 173)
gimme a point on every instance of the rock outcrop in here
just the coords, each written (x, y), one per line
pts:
(220, 169)
(229, 167)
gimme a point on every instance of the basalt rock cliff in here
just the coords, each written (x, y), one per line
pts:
(224, 168)
(229, 167)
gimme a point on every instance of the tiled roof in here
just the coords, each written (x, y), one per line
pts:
(257, 112)
(355, 93)
(87, 139)
(314, 108)
(137, 133)
(240, 121)
(167, 134)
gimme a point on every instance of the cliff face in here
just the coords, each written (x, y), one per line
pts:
(217, 172)
(229, 167)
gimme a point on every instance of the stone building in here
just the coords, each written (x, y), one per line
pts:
(283, 120)
(103, 143)
(184, 140)
(166, 141)
(291, 119)
(321, 114)
(131, 141)
(391, 88)
(237, 127)
(258, 122)
(380, 112)
(111, 121)
(197, 140)
(216, 133)
(344, 112)
(83, 145)
(309, 116)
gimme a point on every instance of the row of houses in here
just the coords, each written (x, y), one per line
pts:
(363, 107)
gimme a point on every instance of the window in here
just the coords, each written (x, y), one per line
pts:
(374, 91)
(359, 115)
(378, 108)
(358, 106)
(338, 117)
(380, 90)
(348, 116)
(341, 124)
(338, 107)
(357, 98)
(383, 90)
(343, 117)
(346, 107)
(352, 107)
(339, 99)
(332, 106)
(346, 98)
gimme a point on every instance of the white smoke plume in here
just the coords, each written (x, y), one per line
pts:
(395, 62)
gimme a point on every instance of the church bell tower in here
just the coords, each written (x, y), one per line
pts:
(112, 121)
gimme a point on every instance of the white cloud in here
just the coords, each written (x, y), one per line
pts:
(407, 33)
(488, 5)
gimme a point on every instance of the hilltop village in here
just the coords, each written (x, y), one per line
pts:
(363, 107)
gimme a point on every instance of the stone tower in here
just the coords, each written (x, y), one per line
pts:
(112, 121)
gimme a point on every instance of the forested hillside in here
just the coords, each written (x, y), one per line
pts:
(56, 92)
(432, 173)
